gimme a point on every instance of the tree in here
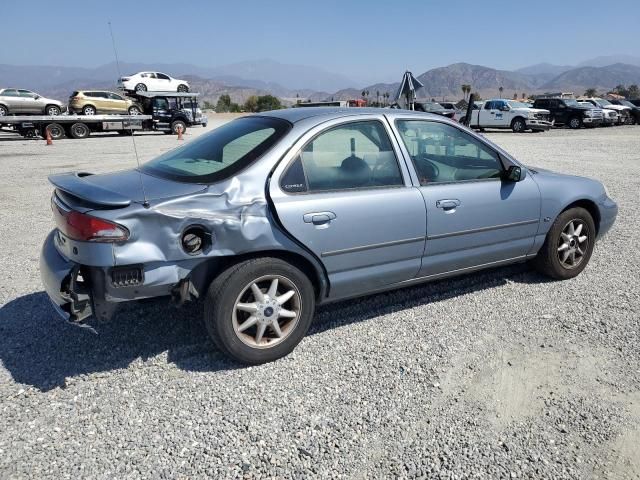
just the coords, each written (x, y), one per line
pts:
(476, 97)
(268, 102)
(524, 95)
(501, 89)
(378, 98)
(621, 90)
(515, 96)
(225, 105)
(590, 92)
(208, 105)
(633, 92)
(251, 104)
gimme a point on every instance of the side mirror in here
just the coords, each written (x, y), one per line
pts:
(514, 174)
(505, 108)
(36, 97)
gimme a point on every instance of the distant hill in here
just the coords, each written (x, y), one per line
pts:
(603, 61)
(600, 78)
(293, 82)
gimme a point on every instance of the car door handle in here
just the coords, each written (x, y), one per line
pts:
(448, 204)
(318, 218)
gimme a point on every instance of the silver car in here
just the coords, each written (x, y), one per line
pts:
(270, 215)
(16, 101)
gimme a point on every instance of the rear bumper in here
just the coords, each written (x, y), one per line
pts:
(60, 280)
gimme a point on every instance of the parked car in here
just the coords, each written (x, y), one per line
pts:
(567, 111)
(93, 102)
(270, 215)
(434, 107)
(152, 82)
(609, 116)
(635, 109)
(501, 113)
(459, 113)
(623, 117)
(17, 101)
(635, 101)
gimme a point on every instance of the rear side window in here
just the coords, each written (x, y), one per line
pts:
(10, 92)
(351, 156)
(220, 153)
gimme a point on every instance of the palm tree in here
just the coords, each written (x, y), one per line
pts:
(523, 95)
(501, 89)
(377, 98)
(464, 91)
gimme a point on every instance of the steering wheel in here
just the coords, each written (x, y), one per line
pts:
(428, 171)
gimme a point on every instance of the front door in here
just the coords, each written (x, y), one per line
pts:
(493, 115)
(29, 102)
(474, 217)
(344, 195)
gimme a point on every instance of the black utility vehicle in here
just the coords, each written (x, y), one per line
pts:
(635, 109)
(170, 110)
(567, 111)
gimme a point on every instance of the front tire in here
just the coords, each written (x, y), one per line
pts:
(258, 311)
(568, 246)
(183, 88)
(141, 87)
(178, 124)
(518, 125)
(575, 123)
(134, 110)
(52, 110)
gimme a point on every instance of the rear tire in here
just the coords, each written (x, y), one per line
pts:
(234, 315)
(88, 110)
(79, 130)
(55, 130)
(3, 110)
(555, 257)
(575, 123)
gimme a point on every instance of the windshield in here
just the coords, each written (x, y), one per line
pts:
(514, 104)
(569, 102)
(602, 102)
(627, 103)
(221, 153)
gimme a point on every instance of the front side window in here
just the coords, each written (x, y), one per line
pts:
(352, 155)
(162, 76)
(113, 96)
(220, 153)
(442, 153)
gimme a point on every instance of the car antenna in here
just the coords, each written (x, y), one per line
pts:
(145, 202)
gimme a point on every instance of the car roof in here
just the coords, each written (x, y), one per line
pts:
(322, 114)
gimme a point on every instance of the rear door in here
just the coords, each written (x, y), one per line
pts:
(474, 218)
(12, 99)
(343, 192)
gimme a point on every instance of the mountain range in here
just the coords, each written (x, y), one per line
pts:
(290, 82)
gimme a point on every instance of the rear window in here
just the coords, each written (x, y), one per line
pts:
(221, 153)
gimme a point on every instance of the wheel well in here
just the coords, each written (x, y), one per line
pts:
(208, 270)
(51, 105)
(590, 207)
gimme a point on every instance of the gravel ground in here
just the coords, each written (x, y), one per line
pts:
(501, 374)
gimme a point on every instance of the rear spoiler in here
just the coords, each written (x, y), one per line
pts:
(74, 184)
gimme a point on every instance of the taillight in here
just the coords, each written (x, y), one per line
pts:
(83, 227)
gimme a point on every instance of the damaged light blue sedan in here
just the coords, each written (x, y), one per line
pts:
(270, 215)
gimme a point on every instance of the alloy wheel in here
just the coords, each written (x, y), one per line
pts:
(267, 311)
(573, 244)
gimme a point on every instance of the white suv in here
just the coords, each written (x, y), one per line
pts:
(152, 82)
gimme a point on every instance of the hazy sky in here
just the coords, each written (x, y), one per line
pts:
(365, 40)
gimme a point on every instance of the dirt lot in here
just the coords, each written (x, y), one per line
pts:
(500, 374)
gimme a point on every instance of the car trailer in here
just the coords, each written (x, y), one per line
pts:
(74, 126)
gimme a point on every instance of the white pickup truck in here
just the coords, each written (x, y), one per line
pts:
(501, 113)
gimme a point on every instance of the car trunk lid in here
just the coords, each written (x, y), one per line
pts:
(120, 189)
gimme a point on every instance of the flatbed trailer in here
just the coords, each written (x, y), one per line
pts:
(75, 126)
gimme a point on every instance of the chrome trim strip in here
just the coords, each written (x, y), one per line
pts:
(482, 229)
(372, 246)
